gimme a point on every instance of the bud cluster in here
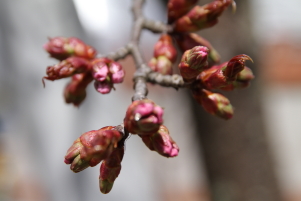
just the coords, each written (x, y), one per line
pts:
(78, 60)
(199, 69)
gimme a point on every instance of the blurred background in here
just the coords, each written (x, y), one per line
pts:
(253, 157)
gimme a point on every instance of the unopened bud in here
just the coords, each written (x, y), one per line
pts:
(193, 62)
(106, 73)
(75, 91)
(187, 41)
(61, 48)
(91, 148)
(201, 17)
(235, 66)
(161, 65)
(67, 68)
(215, 104)
(143, 117)
(165, 47)
(110, 169)
(178, 8)
(161, 142)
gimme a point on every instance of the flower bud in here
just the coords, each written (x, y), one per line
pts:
(190, 40)
(161, 142)
(61, 48)
(201, 17)
(110, 169)
(161, 65)
(165, 54)
(106, 73)
(67, 68)
(193, 62)
(213, 78)
(91, 148)
(143, 117)
(165, 47)
(178, 8)
(103, 87)
(214, 103)
(75, 91)
(235, 65)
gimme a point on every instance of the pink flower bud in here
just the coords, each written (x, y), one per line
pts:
(75, 91)
(215, 104)
(235, 65)
(110, 169)
(178, 8)
(143, 117)
(103, 87)
(61, 48)
(91, 148)
(201, 17)
(193, 62)
(106, 73)
(161, 142)
(190, 40)
(67, 68)
(117, 72)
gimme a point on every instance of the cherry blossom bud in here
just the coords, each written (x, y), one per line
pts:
(92, 147)
(235, 65)
(161, 142)
(201, 17)
(103, 87)
(110, 169)
(178, 8)
(215, 104)
(143, 117)
(165, 47)
(214, 78)
(75, 91)
(106, 73)
(193, 62)
(187, 41)
(67, 68)
(61, 48)
(117, 72)
(165, 54)
(242, 81)
(161, 65)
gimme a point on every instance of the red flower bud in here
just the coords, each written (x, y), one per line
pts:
(165, 47)
(193, 62)
(214, 103)
(213, 78)
(235, 65)
(143, 117)
(61, 48)
(201, 17)
(178, 8)
(75, 91)
(242, 81)
(67, 68)
(110, 169)
(91, 148)
(190, 40)
(161, 142)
